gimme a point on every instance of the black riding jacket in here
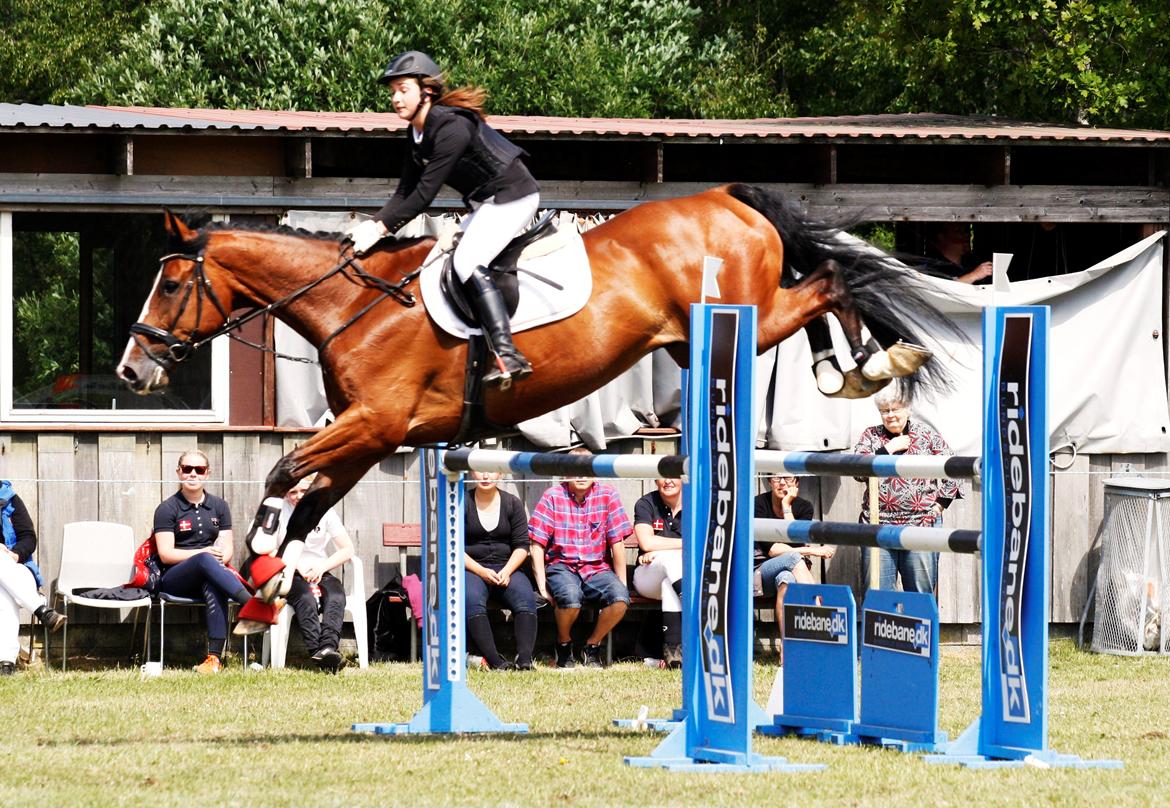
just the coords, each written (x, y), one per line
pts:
(459, 149)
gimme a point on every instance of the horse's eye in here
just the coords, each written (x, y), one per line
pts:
(169, 287)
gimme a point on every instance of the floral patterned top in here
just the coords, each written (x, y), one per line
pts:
(908, 501)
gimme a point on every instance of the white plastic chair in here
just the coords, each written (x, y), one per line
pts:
(95, 555)
(276, 638)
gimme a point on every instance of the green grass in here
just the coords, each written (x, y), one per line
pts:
(278, 738)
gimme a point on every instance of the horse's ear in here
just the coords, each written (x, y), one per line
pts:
(176, 229)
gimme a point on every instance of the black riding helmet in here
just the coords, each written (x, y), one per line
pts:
(414, 64)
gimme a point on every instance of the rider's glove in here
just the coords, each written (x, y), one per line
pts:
(365, 235)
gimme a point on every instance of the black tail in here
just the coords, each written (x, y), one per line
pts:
(889, 297)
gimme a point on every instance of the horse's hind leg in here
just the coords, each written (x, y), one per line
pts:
(825, 367)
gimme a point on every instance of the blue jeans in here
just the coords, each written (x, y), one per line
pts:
(517, 596)
(570, 590)
(201, 577)
(777, 570)
(919, 570)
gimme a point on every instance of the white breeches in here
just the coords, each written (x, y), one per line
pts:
(17, 588)
(656, 580)
(488, 229)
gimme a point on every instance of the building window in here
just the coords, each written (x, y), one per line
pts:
(71, 284)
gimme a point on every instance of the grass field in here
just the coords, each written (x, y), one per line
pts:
(282, 738)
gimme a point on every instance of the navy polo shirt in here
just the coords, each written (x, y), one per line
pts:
(652, 510)
(194, 526)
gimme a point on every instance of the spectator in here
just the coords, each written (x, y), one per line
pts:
(317, 596)
(904, 501)
(19, 578)
(949, 255)
(495, 547)
(579, 528)
(193, 532)
(782, 564)
(658, 527)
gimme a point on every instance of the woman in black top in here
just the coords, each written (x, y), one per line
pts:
(495, 545)
(451, 143)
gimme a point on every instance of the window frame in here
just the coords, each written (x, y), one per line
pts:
(220, 370)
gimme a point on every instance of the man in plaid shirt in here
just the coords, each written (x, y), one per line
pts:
(578, 531)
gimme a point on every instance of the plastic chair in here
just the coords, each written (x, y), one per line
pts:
(176, 600)
(95, 555)
(276, 638)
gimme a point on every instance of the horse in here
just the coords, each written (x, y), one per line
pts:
(393, 378)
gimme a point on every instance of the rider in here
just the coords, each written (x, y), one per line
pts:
(451, 143)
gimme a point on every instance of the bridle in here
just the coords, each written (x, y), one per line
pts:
(180, 349)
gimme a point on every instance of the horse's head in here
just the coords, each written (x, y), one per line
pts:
(183, 309)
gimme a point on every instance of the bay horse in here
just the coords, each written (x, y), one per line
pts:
(393, 378)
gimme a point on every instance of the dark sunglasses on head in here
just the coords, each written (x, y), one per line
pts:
(196, 469)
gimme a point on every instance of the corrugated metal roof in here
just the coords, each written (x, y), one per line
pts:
(916, 126)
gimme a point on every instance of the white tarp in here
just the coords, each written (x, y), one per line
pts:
(1107, 383)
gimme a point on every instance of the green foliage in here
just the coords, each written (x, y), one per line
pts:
(47, 45)
(1076, 61)
(46, 322)
(630, 58)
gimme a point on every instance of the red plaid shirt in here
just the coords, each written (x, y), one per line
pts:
(579, 534)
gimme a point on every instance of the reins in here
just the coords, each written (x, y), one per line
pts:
(179, 350)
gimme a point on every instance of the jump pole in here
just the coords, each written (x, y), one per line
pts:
(1013, 727)
(448, 705)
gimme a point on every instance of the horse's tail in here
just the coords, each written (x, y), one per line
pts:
(890, 298)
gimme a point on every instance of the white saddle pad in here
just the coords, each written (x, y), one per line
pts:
(560, 257)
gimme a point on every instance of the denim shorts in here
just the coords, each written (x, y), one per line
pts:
(570, 591)
(777, 570)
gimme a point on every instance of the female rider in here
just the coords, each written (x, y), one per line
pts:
(451, 143)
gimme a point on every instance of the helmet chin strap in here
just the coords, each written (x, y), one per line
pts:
(424, 98)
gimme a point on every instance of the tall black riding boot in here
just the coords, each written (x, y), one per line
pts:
(493, 318)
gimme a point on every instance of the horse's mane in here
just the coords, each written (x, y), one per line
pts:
(202, 234)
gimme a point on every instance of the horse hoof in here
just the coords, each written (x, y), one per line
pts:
(830, 380)
(900, 359)
(857, 386)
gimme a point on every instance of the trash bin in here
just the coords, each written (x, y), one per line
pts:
(1132, 602)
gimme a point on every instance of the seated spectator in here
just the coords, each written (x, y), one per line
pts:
(193, 532)
(782, 564)
(948, 253)
(495, 544)
(317, 596)
(578, 531)
(19, 578)
(658, 527)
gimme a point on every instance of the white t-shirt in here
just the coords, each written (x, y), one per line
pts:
(320, 536)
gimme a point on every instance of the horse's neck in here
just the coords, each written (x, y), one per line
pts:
(278, 268)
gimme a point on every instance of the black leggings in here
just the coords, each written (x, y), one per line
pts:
(201, 577)
(322, 631)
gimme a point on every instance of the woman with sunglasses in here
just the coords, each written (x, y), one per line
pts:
(193, 533)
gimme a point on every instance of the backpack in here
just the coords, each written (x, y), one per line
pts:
(389, 627)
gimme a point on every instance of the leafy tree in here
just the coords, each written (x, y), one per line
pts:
(576, 57)
(1092, 61)
(47, 45)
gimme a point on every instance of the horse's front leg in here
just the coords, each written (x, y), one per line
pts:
(339, 454)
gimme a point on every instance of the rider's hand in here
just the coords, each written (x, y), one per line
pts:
(365, 235)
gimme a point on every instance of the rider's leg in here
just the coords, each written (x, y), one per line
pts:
(488, 231)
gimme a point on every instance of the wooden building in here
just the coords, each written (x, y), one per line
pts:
(91, 182)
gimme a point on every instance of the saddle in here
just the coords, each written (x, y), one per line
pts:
(473, 421)
(503, 271)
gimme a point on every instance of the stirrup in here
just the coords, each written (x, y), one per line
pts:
(502, 376)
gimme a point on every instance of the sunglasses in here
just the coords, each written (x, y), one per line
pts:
(193, 469)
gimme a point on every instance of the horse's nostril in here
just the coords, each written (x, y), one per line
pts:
(126, 374)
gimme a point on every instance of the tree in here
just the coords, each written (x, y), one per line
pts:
(636, 58)
(48, 45)
(1086, 61)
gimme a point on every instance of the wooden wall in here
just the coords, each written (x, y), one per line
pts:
(121, 477)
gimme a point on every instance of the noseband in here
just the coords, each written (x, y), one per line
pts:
(179, 350)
